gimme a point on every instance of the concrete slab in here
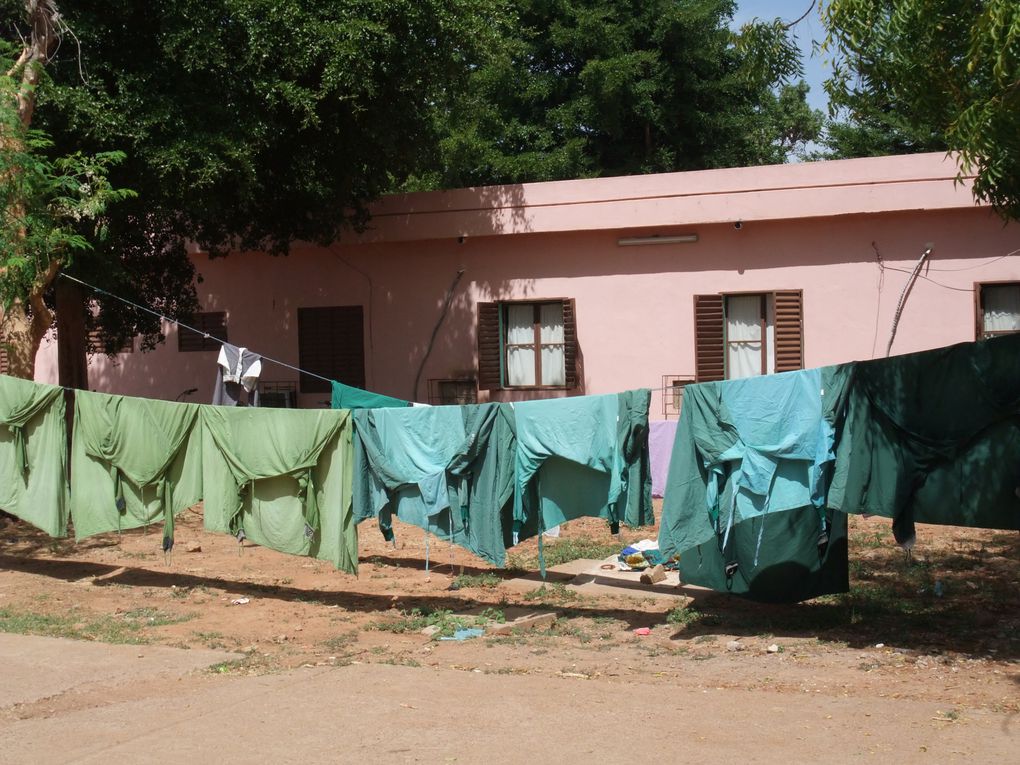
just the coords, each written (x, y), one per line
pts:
(392, 714)
(601, 577)
(36, 667)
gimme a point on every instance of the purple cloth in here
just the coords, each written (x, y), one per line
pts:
(661, 435)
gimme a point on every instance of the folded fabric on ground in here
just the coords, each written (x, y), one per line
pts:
(448, 470)
(349, 397)
(582, 456)
(751, 450)
(33, 448)
(134, 462)
(934, 437)
(661, 437)
(282, 478)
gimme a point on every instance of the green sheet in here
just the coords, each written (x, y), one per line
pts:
(448, 470)
(777, 558)
(754, 457)
(934, 437)
(582, 456)
(349, 397)
(33, 449)
(134, 462)
(282, 477)
(747, 447)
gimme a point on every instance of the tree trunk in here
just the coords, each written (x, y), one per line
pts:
(22, 335)
(72, 361)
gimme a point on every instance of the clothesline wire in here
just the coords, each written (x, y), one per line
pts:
(181, 324)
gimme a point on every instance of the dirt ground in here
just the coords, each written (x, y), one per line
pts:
(940, 627)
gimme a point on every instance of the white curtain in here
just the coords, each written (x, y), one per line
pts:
(520, 328)
(554, 368)
(1002, 307)
(743, 336)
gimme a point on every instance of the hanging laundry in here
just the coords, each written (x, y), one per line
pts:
(281, 478)
(134, 462)
(775, 558)
(934, 437)
(448, 470)
(661, 436)
(747, 453)
(582, 456)
(237, 370)
(349, 397)
(33, 448)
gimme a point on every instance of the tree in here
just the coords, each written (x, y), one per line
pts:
(246, 124)
(50, 207)
(611, 87)
(947, 69)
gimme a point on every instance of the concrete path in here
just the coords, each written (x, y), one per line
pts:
(392, 714)
(35, 668)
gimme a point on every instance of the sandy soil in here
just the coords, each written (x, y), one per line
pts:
(892, 638)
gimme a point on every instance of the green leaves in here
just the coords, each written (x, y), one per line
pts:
(611, 87)
(51, 208)
(936, 74)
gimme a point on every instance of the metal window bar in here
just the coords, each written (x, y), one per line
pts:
(673, 393)
(456, 391)
(280, 394)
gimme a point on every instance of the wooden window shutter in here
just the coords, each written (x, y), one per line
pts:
(789, 305)
(331, 343)
(709, 338)
(490, 347)
(570, 348)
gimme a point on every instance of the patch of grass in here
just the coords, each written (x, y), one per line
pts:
(152, 617)
(338, 642)
(251, 663)
(564, 551)
(103, 628)
(683, 616)
(486, 580)
(556, 592)
(418, 619)
(492, 614)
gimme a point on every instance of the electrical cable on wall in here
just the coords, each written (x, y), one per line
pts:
(435, 330)
(906, 291)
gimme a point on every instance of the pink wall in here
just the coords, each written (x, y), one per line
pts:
(634, 304)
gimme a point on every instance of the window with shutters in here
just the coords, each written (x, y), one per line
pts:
(527, 344)
(746, 334)
(998, 309)
(97, 344)
(3, 360)
(331, 343)
(211, 323)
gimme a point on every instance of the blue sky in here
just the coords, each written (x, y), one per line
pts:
(815, 71)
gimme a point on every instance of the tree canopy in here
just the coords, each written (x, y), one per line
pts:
(249, 124)
(245, 124)
(613, 87)
(933, 74)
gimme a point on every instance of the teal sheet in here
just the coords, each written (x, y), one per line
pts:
(445, 469)
(349, 397)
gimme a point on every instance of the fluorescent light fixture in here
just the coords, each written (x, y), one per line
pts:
(637, 241)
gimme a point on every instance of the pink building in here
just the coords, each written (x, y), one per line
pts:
(596, 286)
